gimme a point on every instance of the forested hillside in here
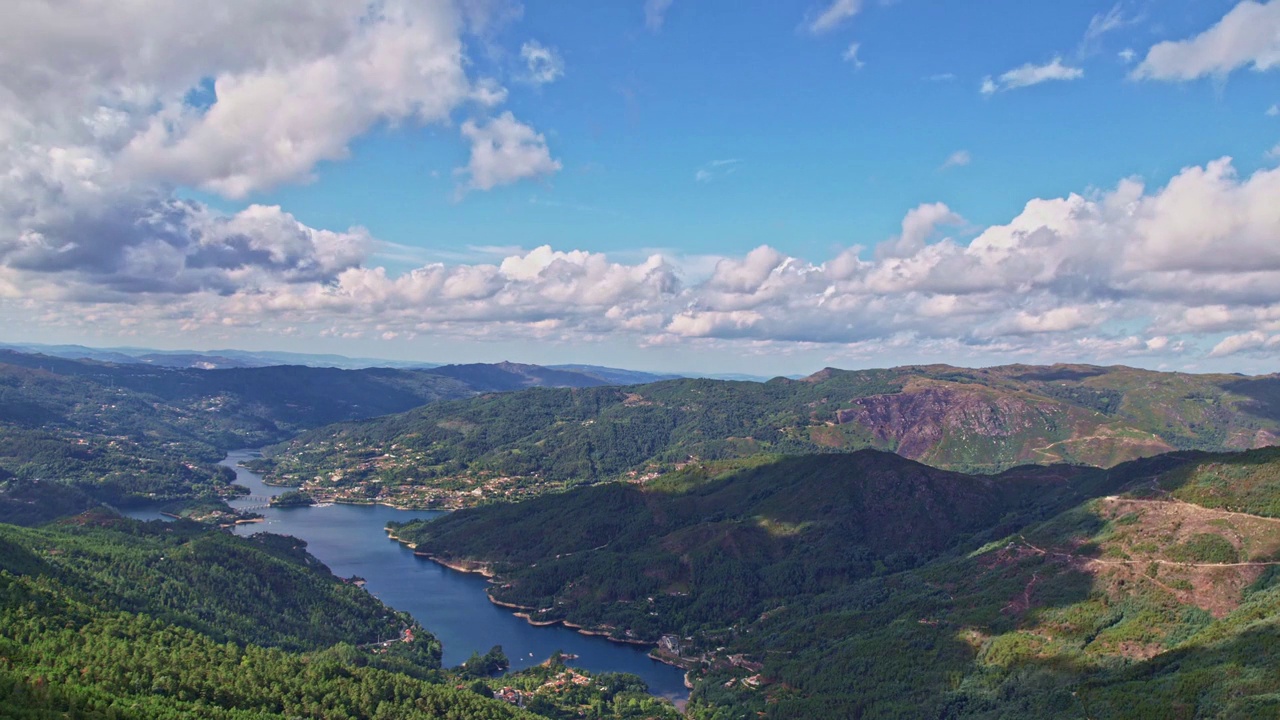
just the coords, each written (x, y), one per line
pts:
(75, 433)
(519, 445)
(847, 586)
(106, 617)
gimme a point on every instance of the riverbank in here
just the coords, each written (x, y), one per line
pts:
(525, 612)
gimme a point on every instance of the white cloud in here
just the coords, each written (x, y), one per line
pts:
(655, 13)
(1127, 55)
(1102, 24)
(271, 123)
(1179, 266)
(486, 17)
(232, 102)
(917, 227)
(1243, 342)
(959, 158)
(834, 15)
(851, 55)
(717, 169)
(95, 141)
(1248, 35)
(1031, 74)
(91, 232)
(544, 64)
(1273, 111)
(503, 151)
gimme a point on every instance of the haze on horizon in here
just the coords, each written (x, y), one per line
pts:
(665, 185)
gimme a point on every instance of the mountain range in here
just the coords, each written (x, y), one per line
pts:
(985, 420)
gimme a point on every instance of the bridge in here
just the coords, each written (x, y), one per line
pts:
(259, 502)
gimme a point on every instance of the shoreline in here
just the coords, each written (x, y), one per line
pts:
(486, 569)
(524, 612)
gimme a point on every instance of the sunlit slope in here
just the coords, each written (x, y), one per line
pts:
(514, 445)
(103, 617)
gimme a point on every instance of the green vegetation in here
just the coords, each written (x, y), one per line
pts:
(620, 556)
(1205, 548)
(491, 663)
(264, 590)
(293, 498)
(518, 445)
(867, 586)
(106, 617)
(133, 434)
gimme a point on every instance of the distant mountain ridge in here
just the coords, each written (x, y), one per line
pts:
(230, 358)
(78, 432)
(208, 360)
(973, 420)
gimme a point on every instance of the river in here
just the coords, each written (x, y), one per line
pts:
(350, 539)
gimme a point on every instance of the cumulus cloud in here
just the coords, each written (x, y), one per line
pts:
(93, 232)
(505, 150)
(1130, 271)
(241, 100)
(917, 227)
(1031, 74)
(544, 64)
(95, 142)
(1243, 342)
(1247, 36)
(833, 15)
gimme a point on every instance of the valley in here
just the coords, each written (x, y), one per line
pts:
(505, 447)
(1014, 542)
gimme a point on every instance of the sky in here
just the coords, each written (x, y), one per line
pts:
(673, 185)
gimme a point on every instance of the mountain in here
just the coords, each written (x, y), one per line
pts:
(868, 586)
(76, 432)
(207, 360)
(715, 551)
(506, 376)
(616, 376)
(986, 420)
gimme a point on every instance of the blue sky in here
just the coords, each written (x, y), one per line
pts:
(830, 154)
(748, 187)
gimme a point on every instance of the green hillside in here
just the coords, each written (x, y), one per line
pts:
(133, 433)
(512, 446)
(102, 617)
(861, 586)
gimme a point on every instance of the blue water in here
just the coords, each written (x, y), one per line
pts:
(350, 539)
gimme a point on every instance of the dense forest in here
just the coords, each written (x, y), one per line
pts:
(864, 585)
(512, 446)
(106, 617)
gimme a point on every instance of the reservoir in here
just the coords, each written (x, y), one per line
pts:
(351, 540)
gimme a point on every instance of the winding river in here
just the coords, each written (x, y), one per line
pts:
(350, 539)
